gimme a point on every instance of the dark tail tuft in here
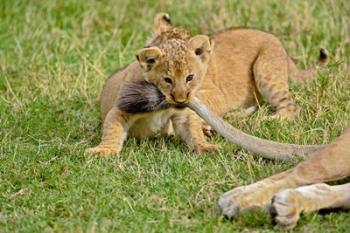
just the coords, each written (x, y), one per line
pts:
(300, 75)
(323, 55)
(141, 97)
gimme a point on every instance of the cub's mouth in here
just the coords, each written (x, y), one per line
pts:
(142, 97)
(180, 106)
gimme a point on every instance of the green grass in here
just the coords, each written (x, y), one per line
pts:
(54, 59)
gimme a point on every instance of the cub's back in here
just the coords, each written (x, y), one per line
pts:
(242, 44)
(231, 66)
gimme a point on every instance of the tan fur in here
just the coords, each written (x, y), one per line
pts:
(231, 70)
(288, 192)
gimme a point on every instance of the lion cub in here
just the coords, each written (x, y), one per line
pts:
(232, 69)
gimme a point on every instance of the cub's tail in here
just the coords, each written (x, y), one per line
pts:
(298, 75)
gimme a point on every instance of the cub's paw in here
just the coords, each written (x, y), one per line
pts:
(205, 148)
(284, 209)
(289, 113)
(229, 202)
(208, 130)
(102, 151)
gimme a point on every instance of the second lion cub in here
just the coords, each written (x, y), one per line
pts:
(230, 70)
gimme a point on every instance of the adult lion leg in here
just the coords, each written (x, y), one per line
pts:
(288, 204)
(114, 134)
(327, 164)
(258, 194)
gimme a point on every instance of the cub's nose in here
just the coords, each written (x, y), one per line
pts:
(178, 100)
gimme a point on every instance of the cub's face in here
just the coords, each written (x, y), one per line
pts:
(176, 67)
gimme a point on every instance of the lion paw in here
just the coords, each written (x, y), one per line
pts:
(244, 198)
(284, 209)
(205, 148)
(289, 113)
(102, 151)
(229, 202)
(208, 130)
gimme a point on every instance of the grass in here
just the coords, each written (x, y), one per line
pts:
(54, 59)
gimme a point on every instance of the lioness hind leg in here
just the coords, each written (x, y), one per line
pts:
(271, 78)
(288, 204)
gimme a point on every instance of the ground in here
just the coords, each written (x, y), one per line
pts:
(54, 59)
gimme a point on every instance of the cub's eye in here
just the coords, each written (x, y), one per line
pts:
(168, 80)
(189, 78)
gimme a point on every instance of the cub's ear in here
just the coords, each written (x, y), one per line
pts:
(200, 46)
(149, 57)
(161, 23)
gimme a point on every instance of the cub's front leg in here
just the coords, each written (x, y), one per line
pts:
(188, 125)
(115, 130)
